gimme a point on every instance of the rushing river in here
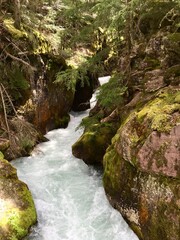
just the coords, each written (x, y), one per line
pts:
(69, 196)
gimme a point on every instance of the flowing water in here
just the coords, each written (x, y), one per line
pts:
(69, 196)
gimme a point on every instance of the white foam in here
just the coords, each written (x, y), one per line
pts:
(104, 80)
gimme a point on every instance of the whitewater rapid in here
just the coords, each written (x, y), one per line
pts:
(68, 194)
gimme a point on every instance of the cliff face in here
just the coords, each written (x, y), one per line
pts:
(29, 89)
(32, 77)
(142, 161)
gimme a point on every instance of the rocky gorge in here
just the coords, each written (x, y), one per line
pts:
(133, 132)
(141, 161)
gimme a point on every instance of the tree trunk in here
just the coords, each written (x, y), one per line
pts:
(17, 14)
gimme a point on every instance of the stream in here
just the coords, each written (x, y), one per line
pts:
(69, 197)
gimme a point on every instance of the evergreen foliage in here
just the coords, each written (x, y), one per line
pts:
(68, 78)
(111, 93)
(103, 26)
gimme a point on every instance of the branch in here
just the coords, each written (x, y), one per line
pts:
(4, 109)
(112, 117)
(16, 47)
(9, 98)
(166, 17)
(20, 60)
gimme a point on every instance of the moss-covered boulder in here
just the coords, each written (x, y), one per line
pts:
(17, 211)
(142, 167)
(21, 139)
(92, 145)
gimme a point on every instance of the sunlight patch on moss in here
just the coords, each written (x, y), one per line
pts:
(1, 155)
(14, 220)
(159, 111)
(16, 33)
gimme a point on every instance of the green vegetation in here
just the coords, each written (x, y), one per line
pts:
(1, 155)
(111, 93)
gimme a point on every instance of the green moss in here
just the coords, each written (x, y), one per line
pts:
(27, 144)
(172, 75)
(41, 45)
(92, 144)
(38, 41)
(175, 37)
(16, 221)
(159, 111)
(1, 155)
(62, 122)
(16, 33)
(16, 204)
(177, 98)
(111, 163)
(152, 63)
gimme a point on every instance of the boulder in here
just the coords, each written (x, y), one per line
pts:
(142, 167)
(17, 208)
(91, 146)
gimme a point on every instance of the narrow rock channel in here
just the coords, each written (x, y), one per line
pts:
(68, 194)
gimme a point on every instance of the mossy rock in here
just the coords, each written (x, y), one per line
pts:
(172, 75)
(17, 208)
(172, 48)
(148, 137)
(151, 63)
(62, 122)
(37, 42)
(15, 33)
(1, 156)
(147, 202)
(158, 112)
(24, 137)
(92, 145)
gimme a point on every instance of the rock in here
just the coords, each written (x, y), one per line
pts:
(84, 91)
(160, 153)
(17, 208)
(142, 167)
(92, 145)
(154, 80)
(82, 96)
(150, 204)
(171, 44)
(49, 103)
(4, 144)
(52, 108)
(172, 75)
(24, 136)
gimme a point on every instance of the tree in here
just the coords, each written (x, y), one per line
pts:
(17, 14)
